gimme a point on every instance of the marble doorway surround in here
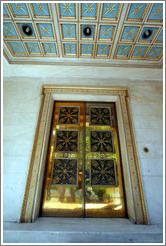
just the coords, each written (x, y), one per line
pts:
(132, 181)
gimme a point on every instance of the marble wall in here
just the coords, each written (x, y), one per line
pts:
(22, 87)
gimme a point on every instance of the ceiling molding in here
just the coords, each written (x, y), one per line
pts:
(70, 62)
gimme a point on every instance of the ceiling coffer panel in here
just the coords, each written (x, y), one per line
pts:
(58, 32)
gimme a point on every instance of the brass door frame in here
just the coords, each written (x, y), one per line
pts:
(132, 181)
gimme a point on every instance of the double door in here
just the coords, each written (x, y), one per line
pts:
(83, 175)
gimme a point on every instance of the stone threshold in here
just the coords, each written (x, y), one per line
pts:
(81, 230)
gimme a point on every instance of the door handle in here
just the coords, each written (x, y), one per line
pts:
(65, 155)
(102, 156)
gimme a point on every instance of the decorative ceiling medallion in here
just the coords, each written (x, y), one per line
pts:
(110, 11)
(87, 31)
(103, 172)
(65, 172)
(86, 50)
(9, 30)
(129, 33)
(50, 49)
(20, 27)
(147, 33)
(69, 115)
(69, 31)
(67, 10)
(19, 10)
(40, 10)
(89, 11)
(106, 33)
(156, 14)
(27, 30)
(150, 38)
(137, 12)
(83, 36)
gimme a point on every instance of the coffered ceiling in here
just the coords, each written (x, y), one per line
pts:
(58, 38)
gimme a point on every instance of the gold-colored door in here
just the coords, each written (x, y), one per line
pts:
(104, 195)
(83, 173)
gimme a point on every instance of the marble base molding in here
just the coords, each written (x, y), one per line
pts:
(133, 188)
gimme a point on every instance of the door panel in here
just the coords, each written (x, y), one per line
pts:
(83, 175)
(103, 185)
(63, 190)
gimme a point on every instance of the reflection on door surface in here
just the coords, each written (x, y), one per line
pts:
(83, 172)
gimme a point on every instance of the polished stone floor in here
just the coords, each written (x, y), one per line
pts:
(81, 230)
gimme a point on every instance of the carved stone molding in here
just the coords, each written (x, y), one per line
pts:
(134, 195)
(82, 90)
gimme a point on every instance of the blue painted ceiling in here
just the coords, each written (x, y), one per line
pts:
(117, 30)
